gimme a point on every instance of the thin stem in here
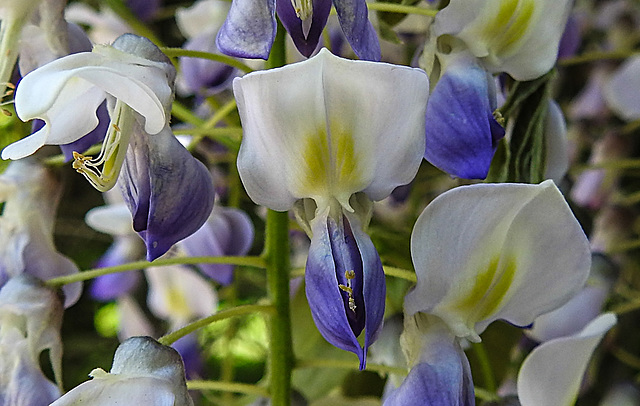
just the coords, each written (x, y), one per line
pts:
(227, 60)
(276, 255)
(596, 56)
(124, 12)
(224, 314)
(486, 395)
(400, 273)
(485, 366)
(234, 387)
(354, 365)
(402, 9)
(179, 111)
(255, 262)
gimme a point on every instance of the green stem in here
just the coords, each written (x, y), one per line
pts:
(227, 60)
(354, 365)
(400, 273)
(280, 341)
(402, 9)
(486, 395)
(256, 262)
(235, 387)
(485, 366)
(124, 12)
(597, 56)
(181, 112)
(276, 255)
(224, 314)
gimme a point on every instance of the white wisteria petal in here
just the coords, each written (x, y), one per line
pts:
(70, 89)
(551, 374)
(179, 294)
(327, 128)
(114, 219)
(144, 372)
(520, 37)
(622, 90)
(496, 251)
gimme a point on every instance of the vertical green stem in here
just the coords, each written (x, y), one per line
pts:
(277, 258)
(280, 345)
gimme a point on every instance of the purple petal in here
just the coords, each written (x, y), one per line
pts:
(169, 192)
(227, 232)
(189, 350)
(203, 76)
(94, 137)
(354, 20)
(249, 30)
(145, 10)
(306, 44)
(440, 385)
(461, 132)
(341, 316)
(112, 286)
(571, 38)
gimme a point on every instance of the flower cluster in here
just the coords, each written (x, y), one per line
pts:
(450, 203)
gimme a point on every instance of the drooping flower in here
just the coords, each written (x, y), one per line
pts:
(250, 27)
(169, 193)
(144, 372)
(334, 136)
(482, 253)
(30, 195)
(30, 321)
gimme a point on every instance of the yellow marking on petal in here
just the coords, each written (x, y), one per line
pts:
(330, 167)
(177, 302)
(508, 26)
(488, 292)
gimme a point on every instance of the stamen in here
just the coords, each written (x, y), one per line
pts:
(497, 115)
(303, 8)
(349, 275)
(102, 172)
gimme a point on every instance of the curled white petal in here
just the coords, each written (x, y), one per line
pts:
(496, 251)
(551, 374)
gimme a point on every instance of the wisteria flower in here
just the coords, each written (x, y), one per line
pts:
(250, 27)
(169, 193)
(31, 195)
(144, 372)
(483, 253)
(334, 136)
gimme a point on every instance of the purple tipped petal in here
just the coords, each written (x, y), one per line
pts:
(249, 30)
(354, 20)
(189, 350)
(169, 192)
(342, 307)
(94, 137)
(461, 132)
(306, 43)
(227, 232)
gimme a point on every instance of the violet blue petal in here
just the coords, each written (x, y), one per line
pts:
(169, 192)
(461, 133)
(228, 231)
(203, 76)
(145, 10)
(341, 316)
(439, 385)
(95, 136)
(189, 350)
(249, 30)
(354, 20)
(306, 43)
(112, 286)
(571, 38)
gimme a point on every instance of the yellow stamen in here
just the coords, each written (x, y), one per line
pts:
(349, 275)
